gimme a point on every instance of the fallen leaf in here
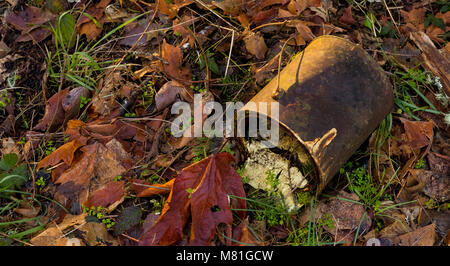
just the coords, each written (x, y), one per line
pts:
(87, 26)
(74, 182)
(71, 102)
(201, 192)
(10, 146)
(173, 65)
(49, 236)
(95, 234)
(107, 195)
(298, 6)
(147, 189)
(105, 100)
(134, 30)
(29, 22)
(346, 215)
(28, 212)
(64, 153)
(415, 18)
(231, 7)
(347, 17)
(244, 236)
(255, 45)
(423, 236)
(419, 134)
(168, 94)
(54, 115)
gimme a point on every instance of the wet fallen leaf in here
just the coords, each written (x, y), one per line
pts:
(201, 192)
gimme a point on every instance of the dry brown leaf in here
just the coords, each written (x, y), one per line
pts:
(10, 146)
(93, 234)
(419, 134)
(173, 65)
(88, 27)
(51, 235)
(255, 45)
(64, 153)
(424, 236)
(28, 212)
(415, 18)
(104, 102)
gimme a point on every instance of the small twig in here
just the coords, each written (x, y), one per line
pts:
(15, 239)
(229, 54)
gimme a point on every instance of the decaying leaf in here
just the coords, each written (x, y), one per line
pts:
(201, 192)
(61, 107)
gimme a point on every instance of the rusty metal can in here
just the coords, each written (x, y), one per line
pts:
(331, 97)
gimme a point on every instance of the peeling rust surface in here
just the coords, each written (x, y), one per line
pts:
(331, 102)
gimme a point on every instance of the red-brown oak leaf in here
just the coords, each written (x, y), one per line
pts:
(201, 191)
